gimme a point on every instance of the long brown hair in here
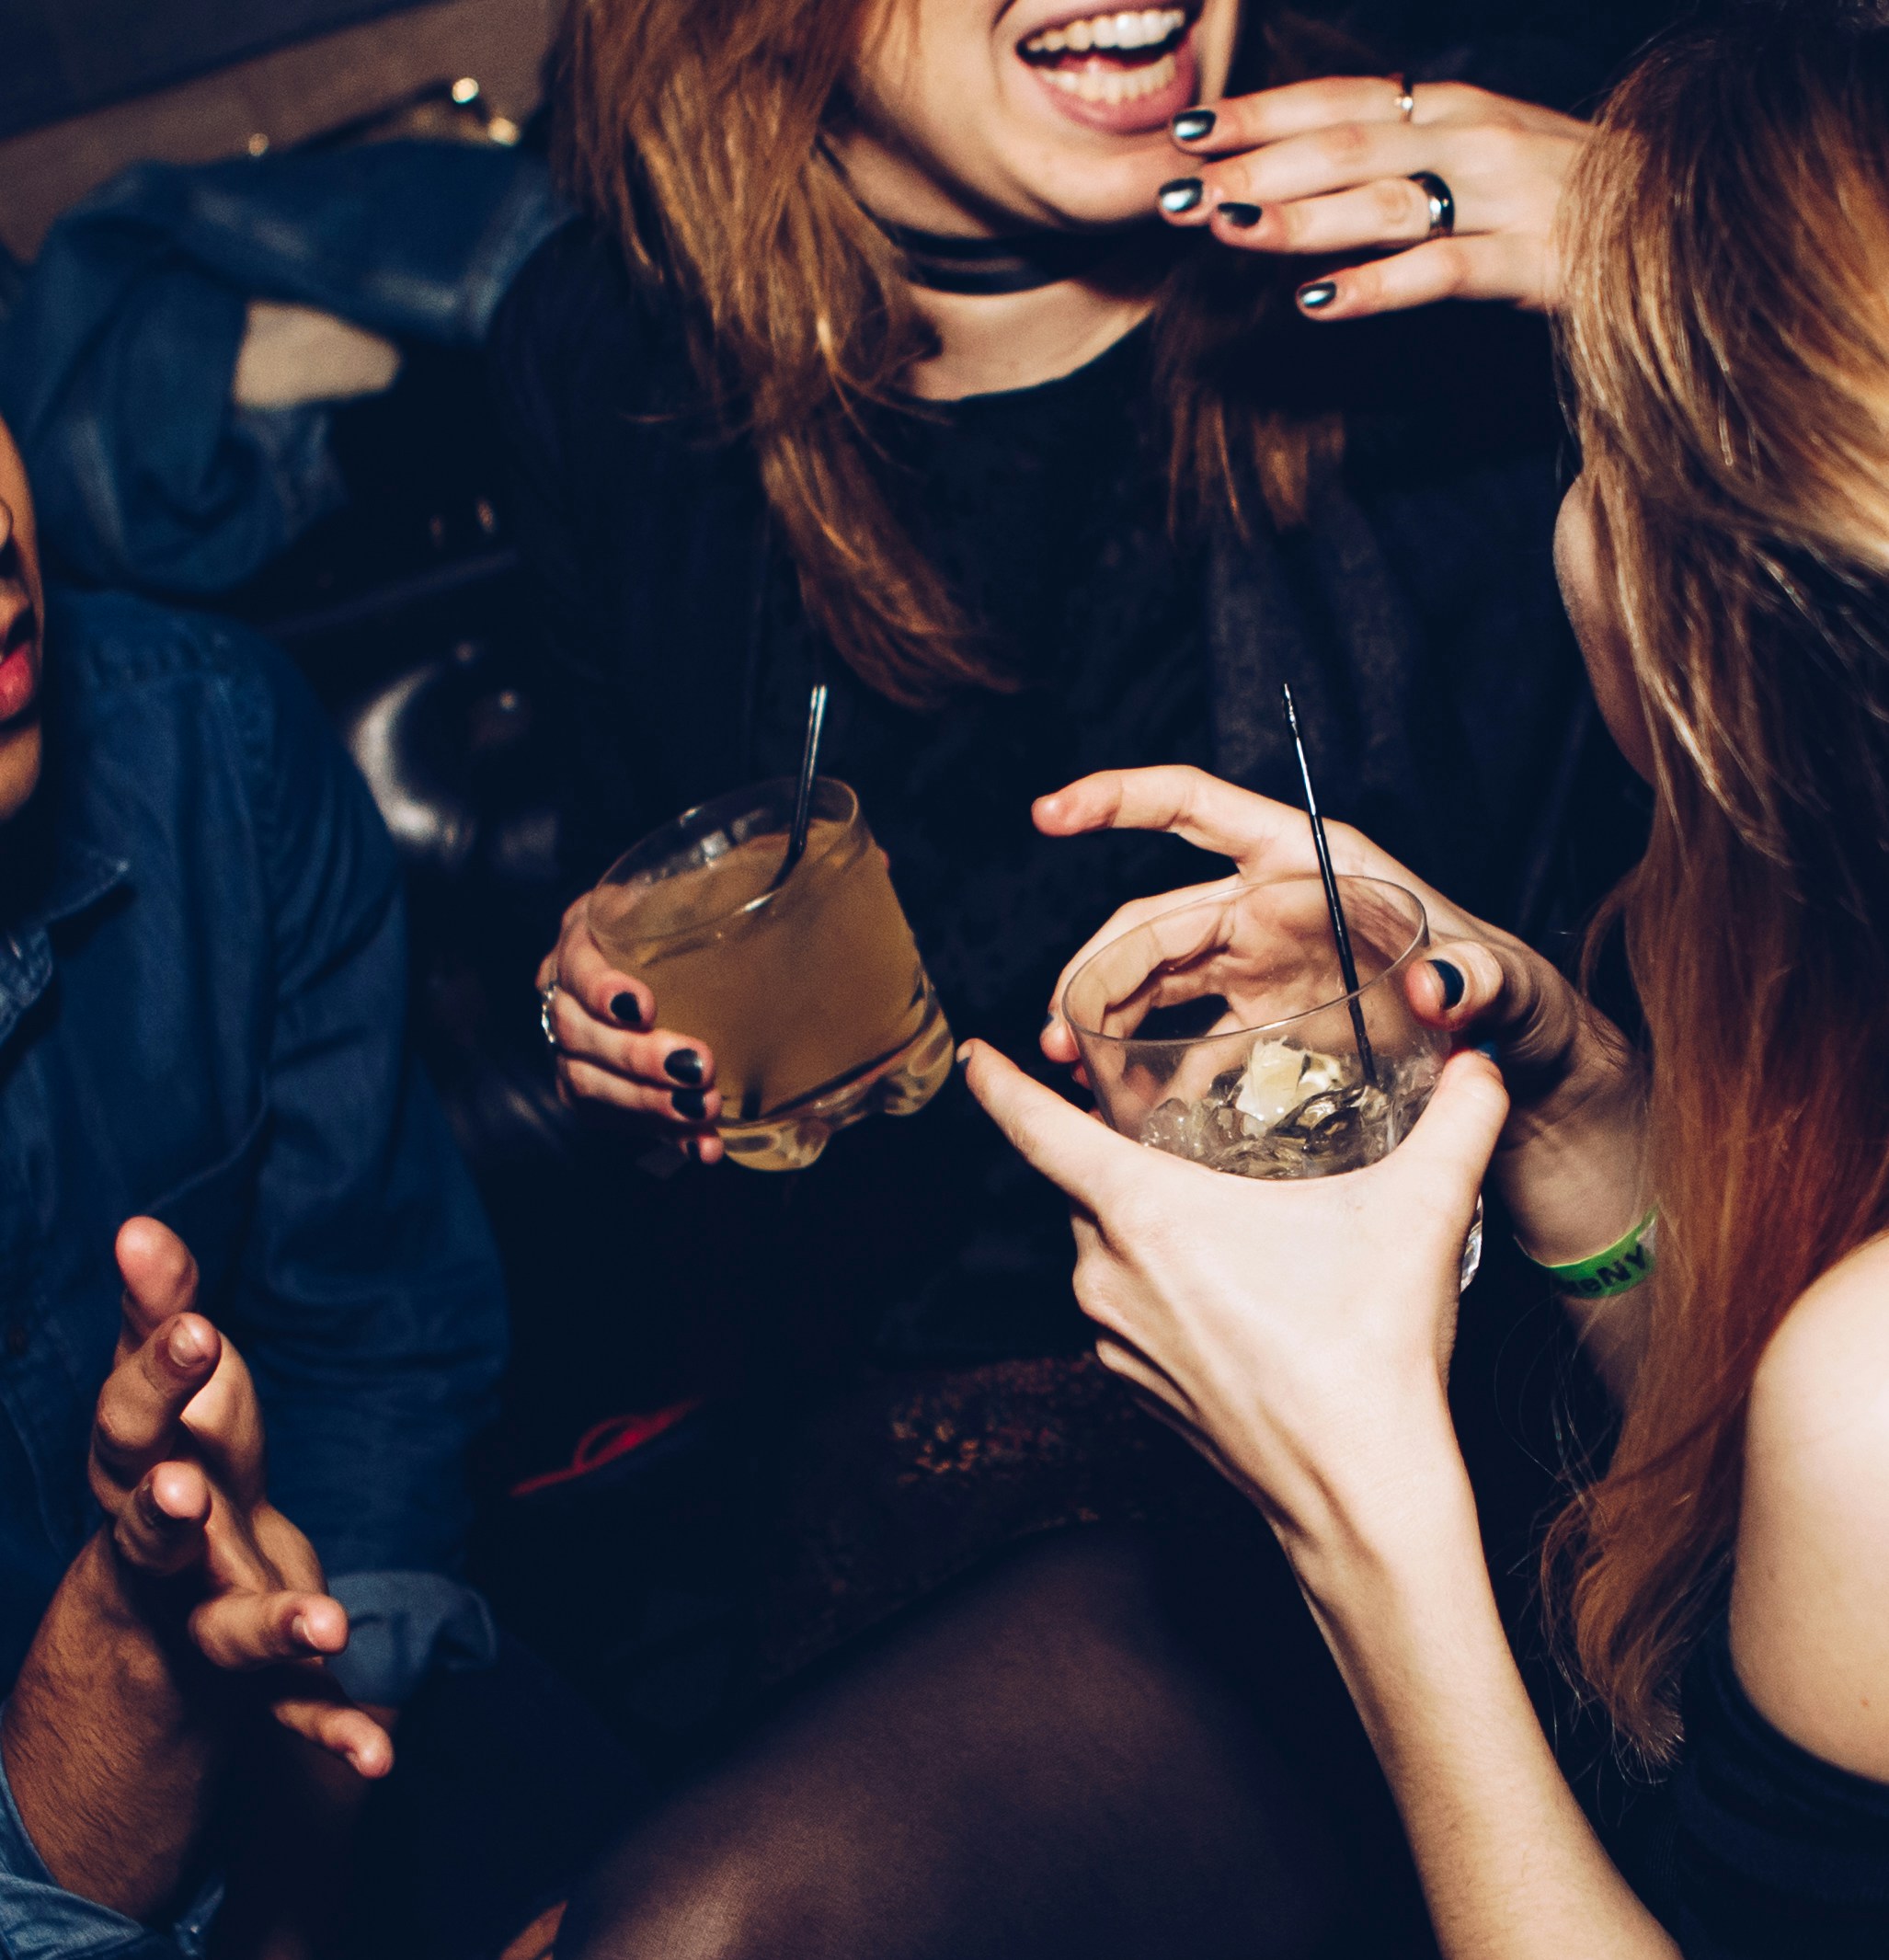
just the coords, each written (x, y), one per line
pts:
(696, 130)
(1727, 337)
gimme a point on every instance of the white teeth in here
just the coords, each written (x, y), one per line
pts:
(1115, 85)
(1147, 28)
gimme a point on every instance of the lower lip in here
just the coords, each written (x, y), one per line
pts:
(1138, 118)
(17, 683)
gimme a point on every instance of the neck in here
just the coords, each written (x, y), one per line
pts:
(988, 343)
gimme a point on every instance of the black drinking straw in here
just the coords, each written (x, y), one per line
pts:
(1340, 931)
(802, 794)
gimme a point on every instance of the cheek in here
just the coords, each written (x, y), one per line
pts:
(1588, 596)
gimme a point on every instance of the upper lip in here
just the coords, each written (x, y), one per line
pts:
(1062, 17)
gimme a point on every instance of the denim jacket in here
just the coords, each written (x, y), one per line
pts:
(203, 998)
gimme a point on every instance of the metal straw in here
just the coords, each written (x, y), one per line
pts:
(802, 794)
(1348, 966)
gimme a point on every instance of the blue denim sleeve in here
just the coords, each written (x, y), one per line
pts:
(404, 1624)
(368, 1306)
(40, 1921)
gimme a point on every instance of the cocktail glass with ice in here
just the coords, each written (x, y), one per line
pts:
(1223, 1032)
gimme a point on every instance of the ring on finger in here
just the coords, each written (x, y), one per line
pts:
(547, 1000)
(1442, 202)
(1406, 99)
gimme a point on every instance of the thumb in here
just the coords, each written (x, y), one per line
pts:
(1456, 1136)
(159, 1274)
(1073, 1151)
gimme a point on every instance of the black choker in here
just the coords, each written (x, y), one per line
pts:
(944, 262)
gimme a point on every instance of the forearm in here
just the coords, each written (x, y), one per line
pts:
(111, 1759)
(1510, 1867)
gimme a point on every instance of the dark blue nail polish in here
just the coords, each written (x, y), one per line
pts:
(683, 1064)
(1183, 193)
(1192, 124)
(625, 1009)
(1491, 1049)
(1244, 216)
(691, 1105)
(1454, 985)
(1320, 295)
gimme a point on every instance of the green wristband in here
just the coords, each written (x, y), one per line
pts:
(1623, 1265)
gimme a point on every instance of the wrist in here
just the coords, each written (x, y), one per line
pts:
(1402, 1511)
(1574, 1182)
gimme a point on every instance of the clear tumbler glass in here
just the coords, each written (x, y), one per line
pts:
(1222, 1031)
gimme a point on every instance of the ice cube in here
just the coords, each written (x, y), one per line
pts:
(1165, 1128)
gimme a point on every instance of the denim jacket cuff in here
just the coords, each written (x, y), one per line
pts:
(402, 1625)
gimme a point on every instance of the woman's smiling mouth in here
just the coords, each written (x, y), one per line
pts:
(1123, 71)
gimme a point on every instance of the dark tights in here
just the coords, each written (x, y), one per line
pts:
(1103, 1746)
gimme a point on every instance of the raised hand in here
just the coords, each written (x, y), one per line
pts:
(596, 1017)
(1325, 170)
(1569, 1162)
(177, 1465)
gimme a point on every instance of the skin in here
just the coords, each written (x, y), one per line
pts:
(127, 1716)
(22, 606)
(1299, 1336)
(124, 1718)
(950, 131)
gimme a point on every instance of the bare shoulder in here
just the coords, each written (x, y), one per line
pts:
(1810, 1609)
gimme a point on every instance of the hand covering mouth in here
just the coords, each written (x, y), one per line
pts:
(1111, 57)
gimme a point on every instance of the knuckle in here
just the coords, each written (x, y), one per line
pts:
(1399, 206)
(1344, 143)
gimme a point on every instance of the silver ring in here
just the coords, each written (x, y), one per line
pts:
(1442, 202)
(547, 995)
(1407, 99)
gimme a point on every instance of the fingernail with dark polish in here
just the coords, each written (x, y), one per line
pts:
(691, 1105)
(683, 1064)
(1192, 124)
(1320, 295)
(1453, 981)
(1489, 1048)
(1183, 193)
(625, 1009)
(1244, 216)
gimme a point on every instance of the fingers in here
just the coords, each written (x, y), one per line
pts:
(142, 1404)
(341, 1730)
(243, 1631)
(598, 1018)
(160, 1277)
(1497, 266)
(580, 968)
(1391, 211)
(1074, 1151)
(1456, 1136)
(1214, 815)
(1479, 990)
(160, 1530)
(1301, 108)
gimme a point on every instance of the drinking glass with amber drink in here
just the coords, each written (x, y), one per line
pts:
(809, 990)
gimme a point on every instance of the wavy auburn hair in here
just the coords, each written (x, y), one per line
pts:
(697, 129)
(1727, 338)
